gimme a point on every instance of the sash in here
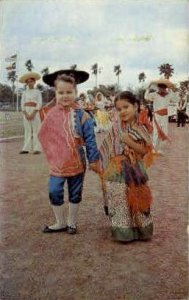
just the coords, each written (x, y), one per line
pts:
(162, 112)
(31, 104)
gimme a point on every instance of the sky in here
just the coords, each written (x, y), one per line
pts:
(140, 35)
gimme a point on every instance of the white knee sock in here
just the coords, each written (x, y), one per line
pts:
(73, 214)
(59, 211)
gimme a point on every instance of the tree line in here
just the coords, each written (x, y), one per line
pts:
(167, 70)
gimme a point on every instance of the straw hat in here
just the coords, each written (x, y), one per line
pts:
(166, 82)
(29, 75)
(79, 76)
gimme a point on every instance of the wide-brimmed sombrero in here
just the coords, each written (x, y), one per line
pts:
(166, 82)
(79, 76)
(29, 75)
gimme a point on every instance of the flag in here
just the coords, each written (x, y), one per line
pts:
(11, 58)
(12, 66)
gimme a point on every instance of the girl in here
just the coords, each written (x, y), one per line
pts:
(124, 177)
(63, 133)
(102, 116)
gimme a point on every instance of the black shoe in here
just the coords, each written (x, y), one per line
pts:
(49, 230)
(36, 152)
(72, 230)
(23, 152)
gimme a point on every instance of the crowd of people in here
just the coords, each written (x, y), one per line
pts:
(134, 134)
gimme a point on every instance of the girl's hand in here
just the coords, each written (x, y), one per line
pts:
(125, 137)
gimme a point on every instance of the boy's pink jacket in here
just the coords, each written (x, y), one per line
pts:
(59, 144)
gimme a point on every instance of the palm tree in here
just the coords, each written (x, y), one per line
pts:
(94, 69)
(117, 70)
(29, 65)
(45, 71)
(73, 67)
(167, 70)
(12, 77)
(142, 77)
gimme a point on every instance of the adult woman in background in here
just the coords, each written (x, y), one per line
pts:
(31, 103)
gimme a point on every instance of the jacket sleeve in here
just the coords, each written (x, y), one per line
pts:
(90, 140)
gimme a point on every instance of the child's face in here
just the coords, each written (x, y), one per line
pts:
(126, 110)
(99, 98)
(65, 93)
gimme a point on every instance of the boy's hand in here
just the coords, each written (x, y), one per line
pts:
(96, 167)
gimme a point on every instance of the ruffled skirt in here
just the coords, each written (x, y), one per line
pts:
(126, 225)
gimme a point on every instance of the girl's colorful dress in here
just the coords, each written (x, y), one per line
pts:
(125, 184)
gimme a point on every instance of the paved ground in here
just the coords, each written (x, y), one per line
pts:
(90, 266)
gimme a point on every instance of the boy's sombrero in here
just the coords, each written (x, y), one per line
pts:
(79, 76)
(166, 82)
(29, 75)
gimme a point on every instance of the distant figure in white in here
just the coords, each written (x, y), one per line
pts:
(181, 110)
(101, 115)
(161, 99)
(31, 103)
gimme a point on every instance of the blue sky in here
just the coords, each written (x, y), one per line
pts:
(137, 34)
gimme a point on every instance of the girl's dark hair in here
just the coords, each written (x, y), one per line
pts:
(65, 78)
(128, 96)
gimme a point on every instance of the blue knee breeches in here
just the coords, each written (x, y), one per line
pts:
(56, 189)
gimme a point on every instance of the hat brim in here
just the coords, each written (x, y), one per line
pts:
(29, 75)
(166, 82)
(79, 76)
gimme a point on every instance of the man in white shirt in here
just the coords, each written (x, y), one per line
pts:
(181, 110)
(31, 103)
(161, 99)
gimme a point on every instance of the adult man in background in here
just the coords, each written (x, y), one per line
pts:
(161, 99)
